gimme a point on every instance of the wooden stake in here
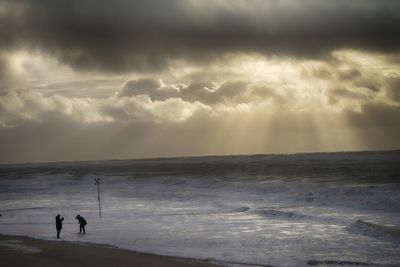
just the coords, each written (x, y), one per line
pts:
(97, 182)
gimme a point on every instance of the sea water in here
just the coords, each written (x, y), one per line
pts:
(321, 209)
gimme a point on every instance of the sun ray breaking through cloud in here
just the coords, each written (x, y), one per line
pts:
(171, 78)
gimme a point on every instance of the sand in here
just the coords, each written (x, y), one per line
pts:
(25, 251)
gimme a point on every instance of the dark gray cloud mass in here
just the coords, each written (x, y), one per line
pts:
(143, 35)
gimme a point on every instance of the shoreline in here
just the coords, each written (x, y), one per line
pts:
(28, 251)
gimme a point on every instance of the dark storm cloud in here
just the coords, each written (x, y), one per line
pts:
(144, 35)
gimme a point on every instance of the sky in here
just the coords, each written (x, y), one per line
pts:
(92, 80)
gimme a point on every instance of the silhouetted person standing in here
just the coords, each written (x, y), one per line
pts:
(59, 224)
(82, 222)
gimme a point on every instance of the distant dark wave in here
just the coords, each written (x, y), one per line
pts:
(368, 167)
(346, 263)
(278, 214)
(379, 231)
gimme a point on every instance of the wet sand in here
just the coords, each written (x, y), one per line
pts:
(25, 251)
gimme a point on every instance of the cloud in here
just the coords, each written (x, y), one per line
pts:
(146, 100)
(153, 88)
(235, 117)
(158, 132)
(345, 93)
(393, 87)
(152, 100)
(19, 108)
(353, 83)
(208, 93)
(30, 106)
(146, 35)
(255, 105)
(6, 73)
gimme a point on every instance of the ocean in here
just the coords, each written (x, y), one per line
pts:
(318, 209)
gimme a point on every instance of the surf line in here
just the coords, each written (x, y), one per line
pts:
(17, 209)
(242, 263)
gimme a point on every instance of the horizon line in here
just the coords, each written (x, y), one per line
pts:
(200, 156)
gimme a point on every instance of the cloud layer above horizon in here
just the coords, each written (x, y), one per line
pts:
(95, 80)
(145, 35)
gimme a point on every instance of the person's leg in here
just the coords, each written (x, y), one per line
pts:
(83, 228)
(58, 233)
(80, 229)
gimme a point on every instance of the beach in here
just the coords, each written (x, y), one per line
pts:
(25, 251)
(256, 210)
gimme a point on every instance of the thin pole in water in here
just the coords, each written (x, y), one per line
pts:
(97, 182)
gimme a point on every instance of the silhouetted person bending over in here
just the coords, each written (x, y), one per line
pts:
(59, 224)
(82, 222)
